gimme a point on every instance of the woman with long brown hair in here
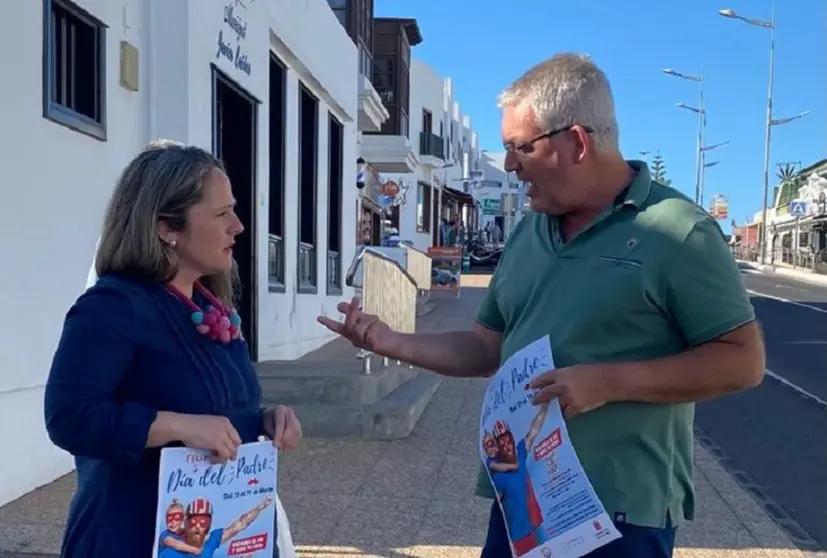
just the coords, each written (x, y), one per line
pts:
(152, 354)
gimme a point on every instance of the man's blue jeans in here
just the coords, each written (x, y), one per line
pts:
(637, 542)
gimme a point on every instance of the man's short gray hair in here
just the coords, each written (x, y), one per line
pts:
(568, 89)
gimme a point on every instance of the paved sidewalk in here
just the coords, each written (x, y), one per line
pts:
(784, 270)
(413, 498)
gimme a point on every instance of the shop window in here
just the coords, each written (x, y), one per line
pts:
(423, 208)
(277, 131)
(308, 191)
(335, 160)
(74, 62)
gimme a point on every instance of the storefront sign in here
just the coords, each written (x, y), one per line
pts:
(719, 207)
(236, 27)
(491, 206)
(446, 270)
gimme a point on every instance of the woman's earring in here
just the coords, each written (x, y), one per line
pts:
(172, 243)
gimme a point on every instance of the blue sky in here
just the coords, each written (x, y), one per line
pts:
(484, 44)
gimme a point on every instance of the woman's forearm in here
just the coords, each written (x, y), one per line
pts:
(165, 429)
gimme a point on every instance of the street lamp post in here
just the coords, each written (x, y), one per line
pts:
(701, 127)
(706, 165)
(765, 24)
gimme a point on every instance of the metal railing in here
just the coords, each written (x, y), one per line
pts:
(334, 273)
(275, 260)
(746, 253)
(387, 290)
(820, 261)
(803, 258)
(307, 266)
(431, 144)
(419, 266)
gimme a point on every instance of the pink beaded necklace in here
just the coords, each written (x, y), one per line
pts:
(216, 321)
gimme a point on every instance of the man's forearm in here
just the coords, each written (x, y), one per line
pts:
(709, 370)
(460, 354)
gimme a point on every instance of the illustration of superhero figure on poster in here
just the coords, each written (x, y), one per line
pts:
(549, 505)
(507, 462)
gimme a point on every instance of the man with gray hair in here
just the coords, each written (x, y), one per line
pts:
(634, 285)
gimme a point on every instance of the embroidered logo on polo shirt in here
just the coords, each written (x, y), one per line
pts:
(620, 517)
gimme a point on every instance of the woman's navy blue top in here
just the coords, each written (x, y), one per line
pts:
(129, 350)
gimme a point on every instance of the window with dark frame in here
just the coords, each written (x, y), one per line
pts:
(356, 16)
(335, 174)
(426, 146)
(308, 176)
(74, 68)
(423, 208)
(384, 78)
(366, 37)
(339, 8)
(277, 131)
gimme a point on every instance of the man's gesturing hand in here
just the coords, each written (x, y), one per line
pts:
(580, 389)
(365, 331)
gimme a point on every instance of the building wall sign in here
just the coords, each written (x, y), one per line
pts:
(491, 206)
(231, 37)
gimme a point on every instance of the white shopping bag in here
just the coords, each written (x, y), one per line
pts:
(285, 540)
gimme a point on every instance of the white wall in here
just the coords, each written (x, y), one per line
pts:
(62, 179)
(426, 93)
(55, 190)
(287, 322)
(492, 164)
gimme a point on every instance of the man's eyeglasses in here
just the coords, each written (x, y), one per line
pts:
(528, 146)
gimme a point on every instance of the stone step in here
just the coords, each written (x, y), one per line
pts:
(392, 417)
(333, 382)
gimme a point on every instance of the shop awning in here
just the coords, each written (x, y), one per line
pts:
(459, 196)
(370, 203)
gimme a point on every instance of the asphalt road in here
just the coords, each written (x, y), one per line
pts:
(774, 438)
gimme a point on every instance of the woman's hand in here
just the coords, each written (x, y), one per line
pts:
(283, 427)
(216, 434)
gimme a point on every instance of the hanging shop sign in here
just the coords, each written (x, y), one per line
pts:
(392, 193)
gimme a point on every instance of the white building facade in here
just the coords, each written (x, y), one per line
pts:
(500, 196)
(438, 187)
(270, 86)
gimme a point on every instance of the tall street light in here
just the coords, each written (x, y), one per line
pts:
(765, 24)
(701, 125)
(704, 149)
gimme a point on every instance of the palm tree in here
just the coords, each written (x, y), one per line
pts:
(786, 171)
(790, 180)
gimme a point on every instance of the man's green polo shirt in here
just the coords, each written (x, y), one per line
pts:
(652, 276)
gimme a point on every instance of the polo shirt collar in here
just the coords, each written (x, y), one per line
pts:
(641, 185)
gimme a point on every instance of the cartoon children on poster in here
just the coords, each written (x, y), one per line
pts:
(507, 461)
(189, 530)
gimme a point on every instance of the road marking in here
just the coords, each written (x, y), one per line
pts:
(790, 287)
(798, 389)
(788, 301)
